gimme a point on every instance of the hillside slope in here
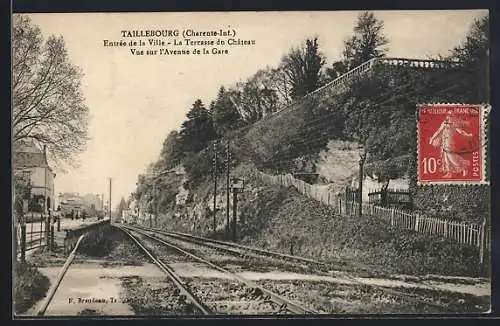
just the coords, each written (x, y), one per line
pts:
(279, 218)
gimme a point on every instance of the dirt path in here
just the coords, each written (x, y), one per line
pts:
(90, 287)
(479, 288)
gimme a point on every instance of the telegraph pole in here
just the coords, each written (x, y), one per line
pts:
(154, 204)
(110, 199)
(215, 187)
(235, 205)
(228, 157)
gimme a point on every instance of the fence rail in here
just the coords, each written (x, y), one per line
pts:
(473, 234)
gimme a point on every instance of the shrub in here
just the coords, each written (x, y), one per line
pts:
(29, 286)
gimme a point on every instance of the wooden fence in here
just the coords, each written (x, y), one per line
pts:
(473, 234)
(393, 197)
(320, 193)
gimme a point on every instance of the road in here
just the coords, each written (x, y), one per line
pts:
(33, 229)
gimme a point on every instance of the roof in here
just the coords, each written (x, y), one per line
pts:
(30, 160)
(26, 146)
(28, 155)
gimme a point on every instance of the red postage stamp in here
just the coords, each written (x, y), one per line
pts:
(451, 144)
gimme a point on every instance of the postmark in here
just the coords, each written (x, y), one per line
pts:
(451, 143)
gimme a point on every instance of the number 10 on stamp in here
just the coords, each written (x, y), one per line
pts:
(450, 144)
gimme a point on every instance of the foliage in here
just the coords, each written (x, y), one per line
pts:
(276, 80)
(277, 216)
(302, 66)
(459, 202)
(456, 202)
(171, 151)
(367, 41)
(224, 113)
(48, 105)
(198, 166)
(198, 130)
(337, 69)
(29, 286)
(122, 205)
(474, 54)
(167, 189)
(255, 98)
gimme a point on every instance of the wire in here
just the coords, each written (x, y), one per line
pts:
(323, 138)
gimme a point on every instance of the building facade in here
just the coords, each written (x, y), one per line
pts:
(30, 160)
(74, 204)
(71, 204)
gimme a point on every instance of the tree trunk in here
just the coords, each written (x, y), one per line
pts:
(383, 193)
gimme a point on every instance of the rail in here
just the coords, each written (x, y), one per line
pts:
(171, 273)
(291, 306)
(205, 241)
(239, 246)
(62, 273)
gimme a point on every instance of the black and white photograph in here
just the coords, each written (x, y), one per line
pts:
(250, 163)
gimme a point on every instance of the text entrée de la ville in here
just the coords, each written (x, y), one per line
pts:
(179, 42)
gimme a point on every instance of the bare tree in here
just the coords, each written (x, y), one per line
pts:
(48, 105)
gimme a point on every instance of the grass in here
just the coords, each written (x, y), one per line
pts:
(278, 218)
(29, 286)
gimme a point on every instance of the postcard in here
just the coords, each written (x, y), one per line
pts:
(251, 163)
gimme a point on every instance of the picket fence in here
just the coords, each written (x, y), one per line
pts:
(465, 233)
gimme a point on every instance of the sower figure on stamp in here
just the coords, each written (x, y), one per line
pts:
(446, 137)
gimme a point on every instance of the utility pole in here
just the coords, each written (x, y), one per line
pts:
(228, 157)
(360, 201)
(215, 187)
(237, 186)
(235, 205)
(154, 203)
(109, 208)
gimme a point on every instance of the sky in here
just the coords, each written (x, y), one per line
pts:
(136, 100)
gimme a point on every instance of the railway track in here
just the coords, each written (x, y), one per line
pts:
(319, 266)
(183, 288)
(247, 294)
(237, 249)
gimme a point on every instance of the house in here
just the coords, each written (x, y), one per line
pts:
(30, 160)
(71, 204)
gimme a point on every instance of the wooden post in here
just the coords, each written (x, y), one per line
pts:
(52, 246)
(235, 204)
(481, 248)
(228, 156)
(23, 242)
(392, 217)
(360, 208)
(41, 228)
(215, 188)
(417, 217)
(347, 200)
(47, 233)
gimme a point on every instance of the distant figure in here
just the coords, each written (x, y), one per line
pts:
(446, 138)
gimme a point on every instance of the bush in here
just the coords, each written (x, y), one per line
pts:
(29, 286)
(198, 166)
(456, 202)
(277, 216)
